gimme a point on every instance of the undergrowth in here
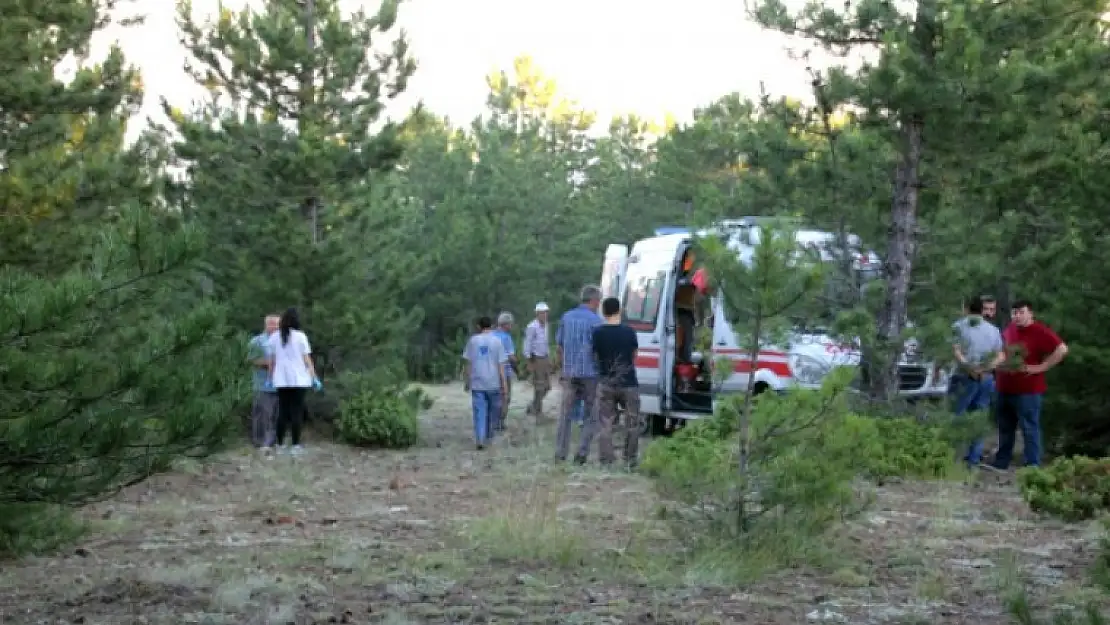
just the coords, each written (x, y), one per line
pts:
(1073, 488)
(31, 529)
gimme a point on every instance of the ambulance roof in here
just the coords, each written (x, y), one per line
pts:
(666, 242)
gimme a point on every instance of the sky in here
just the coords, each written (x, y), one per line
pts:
(612, 56)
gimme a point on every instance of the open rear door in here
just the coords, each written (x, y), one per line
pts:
(612, 270)
(668, 322)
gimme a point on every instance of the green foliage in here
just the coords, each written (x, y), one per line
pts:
(1073, 488)
(517, 206)
(905, 447)
(28, 529)
(308, 217)
(378, 412)
(63, 166)
(804, 459)
(112, 371)
(764, 294)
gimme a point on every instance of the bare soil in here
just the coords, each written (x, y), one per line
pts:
(443, 533)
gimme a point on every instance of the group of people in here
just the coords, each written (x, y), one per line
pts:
(281, 360)
(1004, 372)
(595, 354)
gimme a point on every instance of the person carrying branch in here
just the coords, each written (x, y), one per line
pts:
(1032, 349)
(976, 346)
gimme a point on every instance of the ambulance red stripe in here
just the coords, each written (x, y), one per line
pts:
(649, 359)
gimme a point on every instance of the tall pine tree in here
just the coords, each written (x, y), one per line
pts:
(112, 362)
(282, 167)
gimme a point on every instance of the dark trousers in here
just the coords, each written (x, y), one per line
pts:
(575, 389)
(290, 413)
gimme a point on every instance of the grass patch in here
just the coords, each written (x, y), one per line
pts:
(197, 575)
(849, 577)
(725, 565)
(526, 528)
(933, 585)
(250, 592)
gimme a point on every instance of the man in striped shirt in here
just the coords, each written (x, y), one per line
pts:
(576, 353)
(536, 355)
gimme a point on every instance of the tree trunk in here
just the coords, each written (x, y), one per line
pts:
(745, 426)
(902, 236)
(306, 109)
(898, 265)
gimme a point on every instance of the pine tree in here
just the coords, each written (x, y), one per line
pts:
(63, 162)
(283, 165)
(113, 369)
(112, 361)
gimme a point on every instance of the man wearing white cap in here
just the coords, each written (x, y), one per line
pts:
(536, 353)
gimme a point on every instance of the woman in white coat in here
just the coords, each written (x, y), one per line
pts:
(292, 374)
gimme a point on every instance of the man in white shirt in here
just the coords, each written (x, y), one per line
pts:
(537, 355)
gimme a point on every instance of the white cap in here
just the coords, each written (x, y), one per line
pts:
(541, 307)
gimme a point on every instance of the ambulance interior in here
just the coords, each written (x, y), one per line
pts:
(692, 310)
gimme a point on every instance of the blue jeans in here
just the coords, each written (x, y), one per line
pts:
(1013, 411)
(487, 412)
(579, 415)
(971, 396)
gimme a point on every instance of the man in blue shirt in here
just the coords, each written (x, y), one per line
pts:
(264, 408)
(504, 325)
(576, 354)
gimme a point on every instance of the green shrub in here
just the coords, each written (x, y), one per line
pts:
(906, 447)
(380, 412)
(36, 528)
(804, 456)
(1073, 488)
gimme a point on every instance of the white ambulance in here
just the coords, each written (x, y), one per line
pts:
(663, 299)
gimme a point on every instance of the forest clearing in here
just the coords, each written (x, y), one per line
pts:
(442, 533)
(942, 154)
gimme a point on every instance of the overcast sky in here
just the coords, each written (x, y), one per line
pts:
(613, 56)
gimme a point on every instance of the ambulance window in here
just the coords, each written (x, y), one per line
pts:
(643, 291)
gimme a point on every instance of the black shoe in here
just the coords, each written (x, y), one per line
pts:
(580, 460)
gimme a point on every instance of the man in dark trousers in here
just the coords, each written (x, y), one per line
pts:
(575, 351)
(615, 347)
(1031, 349)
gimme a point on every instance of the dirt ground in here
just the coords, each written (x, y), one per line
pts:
(443, 533)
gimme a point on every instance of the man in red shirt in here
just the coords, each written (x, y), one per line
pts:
(1032, 348)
